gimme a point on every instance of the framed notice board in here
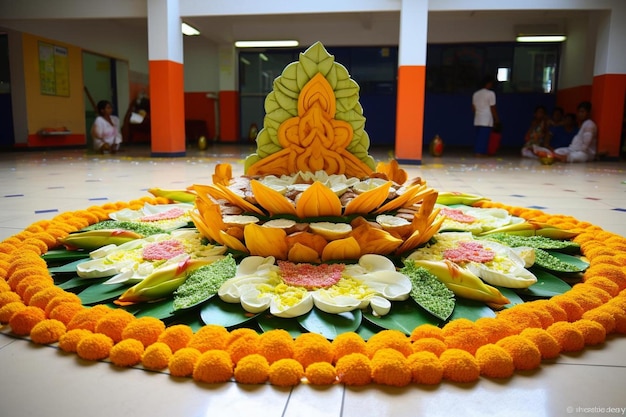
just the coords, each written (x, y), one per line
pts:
(54, 71)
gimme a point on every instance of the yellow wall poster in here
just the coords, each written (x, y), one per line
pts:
(54, 72)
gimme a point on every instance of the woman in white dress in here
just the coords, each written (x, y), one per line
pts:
(583, 146)
(105, 130)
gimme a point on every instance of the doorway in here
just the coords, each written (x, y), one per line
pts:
(7, 136)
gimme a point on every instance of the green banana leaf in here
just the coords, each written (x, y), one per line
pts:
(97, 294)
(367, 330)
(330, 325)
(62, 256)
(159, 309)
(268, 322)
(547, 285)
(471, 310)
(404, 316)
(219, 312)
(69, 268)
(74, 284)
(513, 297)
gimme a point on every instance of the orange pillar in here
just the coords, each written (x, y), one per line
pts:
(167, 98)
(607, 110)
(411, 81)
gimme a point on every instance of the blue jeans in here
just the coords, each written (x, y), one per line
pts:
(482, 139)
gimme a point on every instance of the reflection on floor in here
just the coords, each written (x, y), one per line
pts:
(40, 381)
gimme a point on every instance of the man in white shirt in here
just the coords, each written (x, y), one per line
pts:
(485, 115)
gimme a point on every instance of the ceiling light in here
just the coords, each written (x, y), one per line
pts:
(189, 30)
(541, 38)
(266, 44)
(263, 57)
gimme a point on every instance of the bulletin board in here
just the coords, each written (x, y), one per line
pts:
(54, 72)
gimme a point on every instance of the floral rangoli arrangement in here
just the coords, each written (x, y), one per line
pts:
(319, 265)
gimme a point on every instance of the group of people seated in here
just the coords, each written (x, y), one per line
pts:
(564, 137)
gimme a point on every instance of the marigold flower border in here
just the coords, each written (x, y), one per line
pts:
(519, 338)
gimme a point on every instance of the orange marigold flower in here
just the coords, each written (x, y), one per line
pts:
(601, 294)
(605, 319)
(573, 310)
(68, 342)
(23, 321)
(94, 347)
(23, 272)
(426, 368)
(88, 317)
(494, 361)
(65, 312)
(585, 300)
(176, 337)
(38, 282)
(34, 289)
(242, 346)
(569, 338)
(8, 297)
(545, 342)
(463, 334)
(321, 373)
(612, 272)
(604, 259)
(156, 356)
(275, 345)
(183, 361)
(619, 317)
(466, 339)
(87, 215)
(45, 237)
(65, 297)
(604, 283)
(9, 310)
(309, 348)
(41, 246)
(126, 353)
(354, 369)
(459, 366)
(525, 353)
(114, 323)
(599, 251)
(389, 367)
(426, 331)
(430, 344)
(347, 343)
(241, 333)
(42, 297)
(286, 372)
(252, 369)
(47, 331)
(520, 318)
(4, 287)
(393, 339)
(495, 329)
(593, 332)
(144, 329)
(36, 249)
(210, 337)
(6, 247)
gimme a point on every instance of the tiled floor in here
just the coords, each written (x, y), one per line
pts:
(43, 381)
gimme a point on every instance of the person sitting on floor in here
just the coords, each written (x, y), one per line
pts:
(537, 134)
(562, 135)
(583, 145)
(105, 130)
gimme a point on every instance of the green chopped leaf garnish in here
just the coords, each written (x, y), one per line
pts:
(204, 282)
(138, 227)
(547, 261)
(537, 242)
(428, 291)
